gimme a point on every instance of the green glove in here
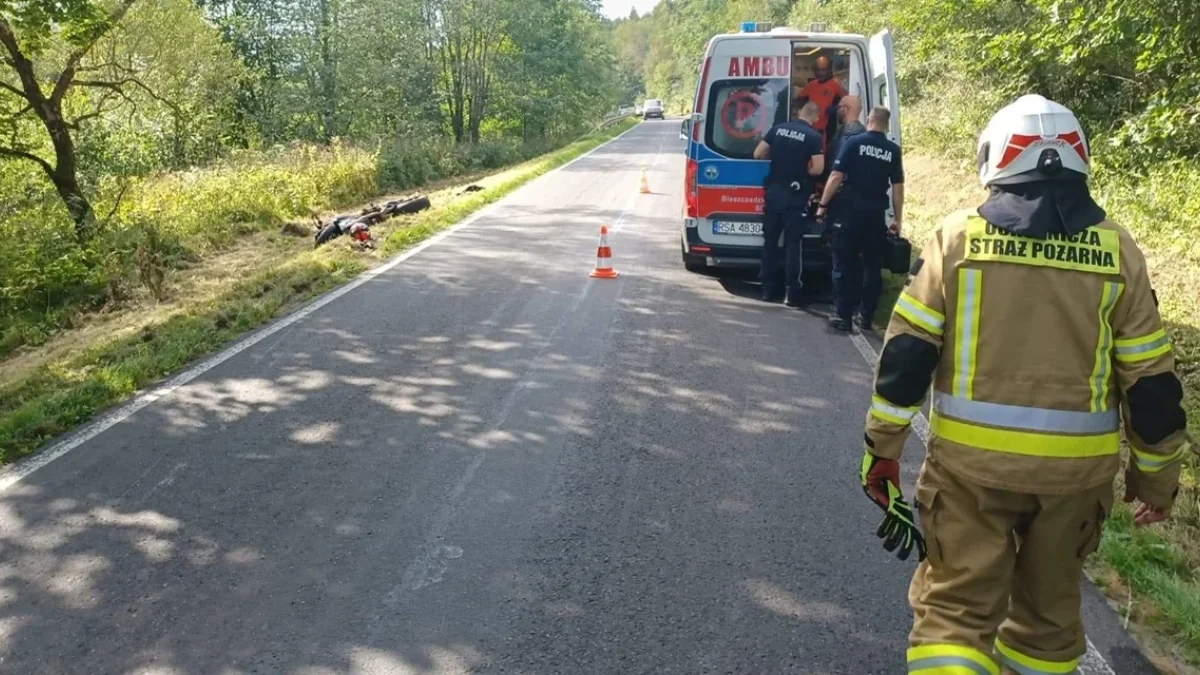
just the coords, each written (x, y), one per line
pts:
(881, 483)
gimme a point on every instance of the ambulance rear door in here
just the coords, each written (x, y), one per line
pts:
(883, 79)
(746, 93)
(884, 91)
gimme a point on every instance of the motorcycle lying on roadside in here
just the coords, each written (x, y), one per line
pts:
(359, 225)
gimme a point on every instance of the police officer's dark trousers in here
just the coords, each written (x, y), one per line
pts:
(785, 212)
(860, 237)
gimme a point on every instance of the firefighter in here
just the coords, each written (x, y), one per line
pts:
(1034, 320)
(794, 149)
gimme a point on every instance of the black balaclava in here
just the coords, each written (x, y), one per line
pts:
(1043, 207)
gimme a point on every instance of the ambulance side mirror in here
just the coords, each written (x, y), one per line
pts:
(697, 117)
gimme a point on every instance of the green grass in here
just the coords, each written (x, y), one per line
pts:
(65, 393)
(61, 394)
(1156, 571)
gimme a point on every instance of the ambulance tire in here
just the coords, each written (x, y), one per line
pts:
(694, 263)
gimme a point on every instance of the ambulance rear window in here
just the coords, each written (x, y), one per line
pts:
(740, 112)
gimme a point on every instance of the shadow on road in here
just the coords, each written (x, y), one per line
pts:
(577, 481)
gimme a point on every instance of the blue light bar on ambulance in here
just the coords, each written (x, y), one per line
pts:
(756, 26)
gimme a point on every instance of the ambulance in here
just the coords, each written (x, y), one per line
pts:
(748, 82)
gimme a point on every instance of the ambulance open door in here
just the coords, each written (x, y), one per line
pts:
(883, 79)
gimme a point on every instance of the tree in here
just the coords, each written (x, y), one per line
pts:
(36, 31)
(558, 69)
(386, 70)
(260, 34)
(632, 43)
(467, 35)
(180, 78)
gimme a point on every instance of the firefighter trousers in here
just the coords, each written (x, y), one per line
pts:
(1000, 588)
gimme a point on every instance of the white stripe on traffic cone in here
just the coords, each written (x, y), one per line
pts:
(604, 268)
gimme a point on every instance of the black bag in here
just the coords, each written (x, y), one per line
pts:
(897, 257)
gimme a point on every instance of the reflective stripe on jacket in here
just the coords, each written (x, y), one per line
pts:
(1036, 350)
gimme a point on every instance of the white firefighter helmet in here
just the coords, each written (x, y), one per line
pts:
(1032, 139)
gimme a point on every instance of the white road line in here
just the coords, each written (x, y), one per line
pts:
(633, 197)
(1091, 663)
(629, 204)
(17, 472)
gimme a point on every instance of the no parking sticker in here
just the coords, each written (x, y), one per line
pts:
(744, 115)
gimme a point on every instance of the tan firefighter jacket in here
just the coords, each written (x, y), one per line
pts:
(1035, 350)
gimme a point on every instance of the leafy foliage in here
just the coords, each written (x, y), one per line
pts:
(137, 135)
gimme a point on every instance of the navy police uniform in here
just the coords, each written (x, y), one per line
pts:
(788, 189)
(871, 164)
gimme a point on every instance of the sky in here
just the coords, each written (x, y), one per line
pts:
(617, 9)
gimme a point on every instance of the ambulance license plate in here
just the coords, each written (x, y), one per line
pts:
(736, 227)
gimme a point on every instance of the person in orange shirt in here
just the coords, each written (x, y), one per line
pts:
(824, 91)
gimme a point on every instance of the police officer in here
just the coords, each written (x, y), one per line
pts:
(1033, 319)
(868, 164)
(794, 149)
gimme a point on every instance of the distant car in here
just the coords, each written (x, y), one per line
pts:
(652, 108)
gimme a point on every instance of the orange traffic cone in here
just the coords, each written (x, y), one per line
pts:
(604, 268)
(645, 189)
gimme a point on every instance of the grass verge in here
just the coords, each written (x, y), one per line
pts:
(61, 393)
(1156, 567)
(1154, 584)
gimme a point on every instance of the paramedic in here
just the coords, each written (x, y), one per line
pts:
(794, 149)
(868, 164)
(825, 91)
(1034, 321)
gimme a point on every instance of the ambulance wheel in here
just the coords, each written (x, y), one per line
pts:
(694, 263)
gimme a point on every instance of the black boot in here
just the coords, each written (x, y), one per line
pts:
(839, 324)
(796, 298)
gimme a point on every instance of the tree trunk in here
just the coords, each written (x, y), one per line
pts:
(77, 204)
(178, 148)
(458, 106)
(328, 71)
(456, 120)
(65, 173)
(473, 127)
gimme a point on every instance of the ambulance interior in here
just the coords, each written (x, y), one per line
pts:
(847, 70)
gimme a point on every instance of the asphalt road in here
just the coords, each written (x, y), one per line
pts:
(482, 461)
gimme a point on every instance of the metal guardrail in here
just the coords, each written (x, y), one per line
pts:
(611, 120)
